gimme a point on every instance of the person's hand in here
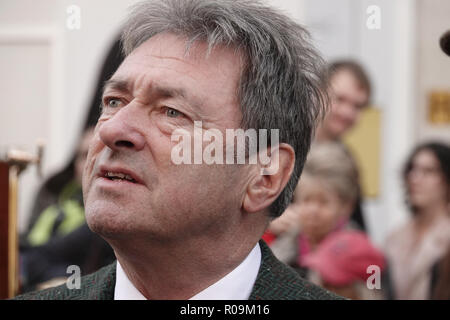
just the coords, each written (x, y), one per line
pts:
(288, 221)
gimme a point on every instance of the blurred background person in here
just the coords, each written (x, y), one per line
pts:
(416, 248)
(441, 270)
(349, 92)
(323, 203)
(58, 235)
(440, 281)
(325, 196)
(341, 264)
(63, 211)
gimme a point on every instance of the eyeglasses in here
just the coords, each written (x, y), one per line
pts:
(424, 171)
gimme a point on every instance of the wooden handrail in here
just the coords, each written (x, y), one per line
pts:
(10, 169)
(4, 230)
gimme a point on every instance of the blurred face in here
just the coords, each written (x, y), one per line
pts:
(347, 101)
(82, 152)
(425, 182)
(131, 187)
(319, 208)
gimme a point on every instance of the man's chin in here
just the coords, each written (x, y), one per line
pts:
(105, 224)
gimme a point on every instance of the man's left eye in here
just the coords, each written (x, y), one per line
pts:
(172, 113)
(113, 103)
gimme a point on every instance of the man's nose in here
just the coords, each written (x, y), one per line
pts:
(121, 132)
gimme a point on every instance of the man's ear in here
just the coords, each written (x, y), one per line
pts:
(269, 179)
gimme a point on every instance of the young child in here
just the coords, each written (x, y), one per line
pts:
(314, 234)
(323, 202)
(343, 263)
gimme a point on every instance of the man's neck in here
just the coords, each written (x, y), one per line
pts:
(180, 270)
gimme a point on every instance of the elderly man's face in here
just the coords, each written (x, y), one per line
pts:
(156, 90)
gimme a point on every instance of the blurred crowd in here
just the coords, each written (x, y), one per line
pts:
(322, 235)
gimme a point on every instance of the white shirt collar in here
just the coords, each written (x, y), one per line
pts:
(236, 285)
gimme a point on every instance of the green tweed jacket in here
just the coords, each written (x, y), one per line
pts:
(275, 281)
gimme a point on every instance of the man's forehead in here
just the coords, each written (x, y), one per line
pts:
(196, 59)
(167, 50)
(180, 48)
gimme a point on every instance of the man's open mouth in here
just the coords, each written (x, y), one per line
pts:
(118, 176)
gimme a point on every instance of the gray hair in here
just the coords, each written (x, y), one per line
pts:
(282, 84)
(333, 164)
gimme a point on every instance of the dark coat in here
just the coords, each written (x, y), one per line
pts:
(275, 281)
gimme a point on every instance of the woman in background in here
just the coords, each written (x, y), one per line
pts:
(416, 248)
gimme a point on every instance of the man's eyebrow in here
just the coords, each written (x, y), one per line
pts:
(169, 92)
(194, 104)
(157, 90)
(120, 85)
(164, 91)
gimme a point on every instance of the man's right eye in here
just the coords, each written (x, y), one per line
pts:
(112, 102)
